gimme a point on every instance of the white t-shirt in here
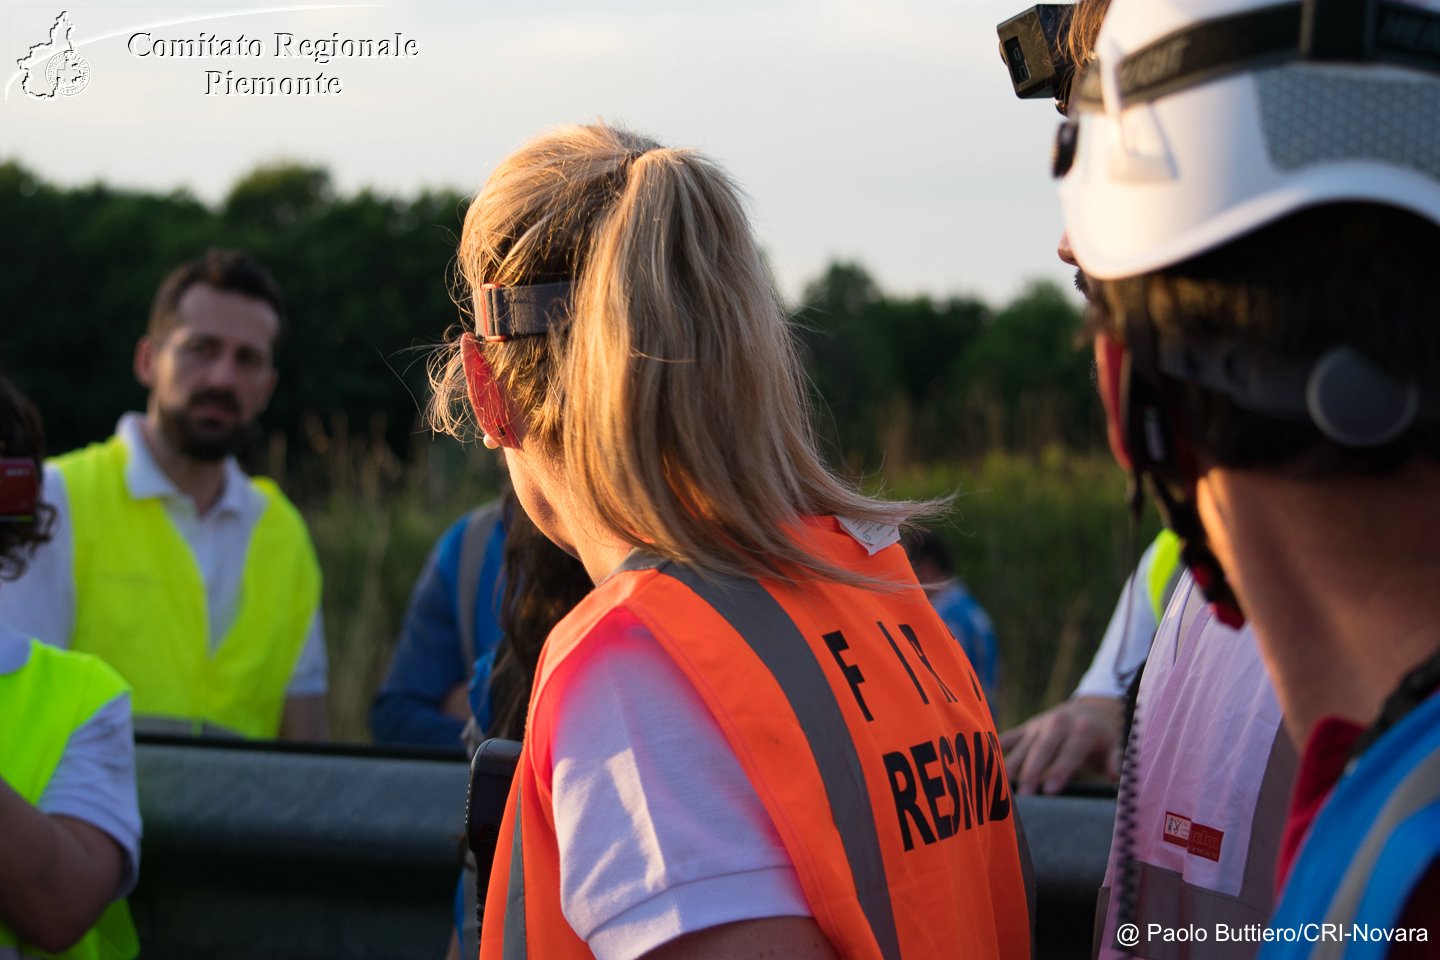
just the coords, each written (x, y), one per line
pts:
(41, 603)
(660, 831)
(95, 778)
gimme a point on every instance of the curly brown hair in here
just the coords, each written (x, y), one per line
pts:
(22, 434)
(542, 584)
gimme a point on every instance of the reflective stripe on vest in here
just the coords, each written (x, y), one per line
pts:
(1212, 787)
(141, 607)
(53, 695)
(1372, 842)
(812, 687)
(755, 615)
(1164, 572)
(515, 897)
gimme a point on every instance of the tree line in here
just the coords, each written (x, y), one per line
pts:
(899, 380)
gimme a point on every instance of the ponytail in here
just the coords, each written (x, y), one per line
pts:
(675, 399)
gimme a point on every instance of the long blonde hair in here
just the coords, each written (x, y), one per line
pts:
(674, 399)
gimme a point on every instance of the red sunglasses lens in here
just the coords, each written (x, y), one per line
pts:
(491, 410)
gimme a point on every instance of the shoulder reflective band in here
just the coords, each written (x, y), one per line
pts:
(528, 311)
(756, 616)
(761, 621)
(1164, 573)
(1381, 31)
(514, 948)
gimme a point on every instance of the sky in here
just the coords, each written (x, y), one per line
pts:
(881, 132)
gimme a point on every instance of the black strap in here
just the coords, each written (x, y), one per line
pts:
(1344, 394)
(1208, 51)
(528, 311)
(1320, 30)
(1337, 31)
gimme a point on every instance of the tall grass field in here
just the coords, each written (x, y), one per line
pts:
(1042, 540)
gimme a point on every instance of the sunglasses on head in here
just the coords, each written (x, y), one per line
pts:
(504, 313)
(528, 311)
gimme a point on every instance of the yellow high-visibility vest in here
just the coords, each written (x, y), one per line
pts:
(1164, 572)
(140, 601)
(54, 694)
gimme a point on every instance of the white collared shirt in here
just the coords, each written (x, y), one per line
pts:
(41, 603)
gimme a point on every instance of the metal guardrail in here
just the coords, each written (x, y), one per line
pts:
(338, 853)
(296, 854)
(1069, 841)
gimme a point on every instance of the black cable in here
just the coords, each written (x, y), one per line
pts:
(1127, 798)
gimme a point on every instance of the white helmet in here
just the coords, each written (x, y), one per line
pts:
(1200, 121)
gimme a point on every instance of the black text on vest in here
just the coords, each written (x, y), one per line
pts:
(967, 773)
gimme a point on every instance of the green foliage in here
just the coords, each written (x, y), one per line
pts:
(373, 520)
(278, 197)
(905, 380)
(1044, 543)
(1027, 360)
(363, 276)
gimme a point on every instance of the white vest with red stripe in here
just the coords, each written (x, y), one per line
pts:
(1210, 791)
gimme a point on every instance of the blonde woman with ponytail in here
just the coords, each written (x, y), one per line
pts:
(754, 738)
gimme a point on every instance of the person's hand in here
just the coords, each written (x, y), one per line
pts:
(1046, 751)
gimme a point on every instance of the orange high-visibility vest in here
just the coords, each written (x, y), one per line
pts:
(859, 723)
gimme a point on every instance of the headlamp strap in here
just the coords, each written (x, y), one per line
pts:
(528, 311)
(1383, 31)
(1338, 31)
(1343, 394)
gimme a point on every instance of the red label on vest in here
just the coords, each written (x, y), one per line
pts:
(1195, 837)
(1205, 841)
(1177, 829)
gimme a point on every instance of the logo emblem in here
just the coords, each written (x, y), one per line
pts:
(54, 68)
(1196, 838)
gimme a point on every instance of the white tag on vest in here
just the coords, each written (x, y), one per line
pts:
(873, 536)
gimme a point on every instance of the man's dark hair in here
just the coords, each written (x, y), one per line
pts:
(22, 434)
(1357, 274)
(230, 271)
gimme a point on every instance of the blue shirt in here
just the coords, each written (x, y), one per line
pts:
(971, 626)
(430, 657)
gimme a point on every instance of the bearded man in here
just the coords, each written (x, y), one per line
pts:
(197, 583)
